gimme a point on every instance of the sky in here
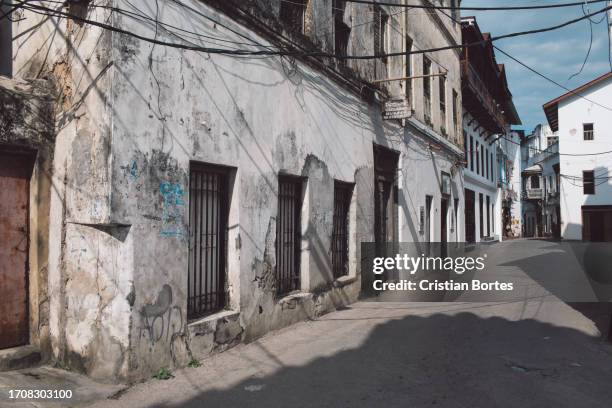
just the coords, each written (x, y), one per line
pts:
(557, 54)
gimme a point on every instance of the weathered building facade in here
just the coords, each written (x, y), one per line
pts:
(541, 181)
(488, 113)
(194, 199)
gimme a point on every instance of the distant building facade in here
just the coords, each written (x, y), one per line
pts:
(540, 175)
(583, 120)
(488, 113)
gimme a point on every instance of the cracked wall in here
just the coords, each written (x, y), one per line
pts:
(132, 118)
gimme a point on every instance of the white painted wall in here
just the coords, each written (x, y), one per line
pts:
(573, 112)
(476, 177)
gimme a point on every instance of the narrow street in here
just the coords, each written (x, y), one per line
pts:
(538, 352)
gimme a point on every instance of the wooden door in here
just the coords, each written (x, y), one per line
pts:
(14, 206)
(443, 226)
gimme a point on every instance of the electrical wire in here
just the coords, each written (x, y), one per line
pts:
(475, 8)
(549, 79)
(228, 51)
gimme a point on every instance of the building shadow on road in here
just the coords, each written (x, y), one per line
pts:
(439, 360)
(579, 273)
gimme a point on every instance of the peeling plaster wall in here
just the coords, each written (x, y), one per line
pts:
(87, 302)
(27, 125)
(132, 116)
(258, 116)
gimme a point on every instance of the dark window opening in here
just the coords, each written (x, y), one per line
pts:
(208, 215)
(427, 89)
(588, 182)
(477, 158)
(481, 215)
(293, 13)
(341, 29)
(381, 20)
(343, 193)
(535, 181)
(288, 234)
(588, 131)
(442, 86)
(470, 218)
(408, 70)
(471, 153)
(6, 41)
(456, 114)
(486, 169)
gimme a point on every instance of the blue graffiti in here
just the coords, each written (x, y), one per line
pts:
(134, 170)
(172, 209)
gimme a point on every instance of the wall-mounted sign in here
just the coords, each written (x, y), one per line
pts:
(396, 109)
(446, 183)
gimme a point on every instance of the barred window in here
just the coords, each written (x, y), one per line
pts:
(288, 234)
(293, 13)
(340, 234)
(341, 29)
(381, 20)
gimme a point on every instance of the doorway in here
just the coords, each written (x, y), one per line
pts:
(15, 172)
(385, 197)
(443, 229)
(470, 216)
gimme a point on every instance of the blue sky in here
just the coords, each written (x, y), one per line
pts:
(557, 54)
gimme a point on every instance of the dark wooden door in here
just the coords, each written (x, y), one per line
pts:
(470, 216)
(386, 197)
(443, 229)
(14, 205)
(597, 223)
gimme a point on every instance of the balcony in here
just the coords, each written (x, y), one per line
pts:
(479, 102)
(534, 193)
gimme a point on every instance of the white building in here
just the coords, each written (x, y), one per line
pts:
(583, 120)
(509, 176)
(540, 173)
(488, 112)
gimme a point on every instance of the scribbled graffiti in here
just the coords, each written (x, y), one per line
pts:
(161, 320)
(172, 209)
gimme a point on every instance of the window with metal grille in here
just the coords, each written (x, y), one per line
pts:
(208, 212)
(293, 14)
(588, 182)
(588, 131)
(427, 88)
(381, 20)
(288, 234)
(341, 29)
(340, 234)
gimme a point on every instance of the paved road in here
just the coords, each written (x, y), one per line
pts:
(534, 352)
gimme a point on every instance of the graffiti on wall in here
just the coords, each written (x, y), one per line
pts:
(161, 320)
(172, 209)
